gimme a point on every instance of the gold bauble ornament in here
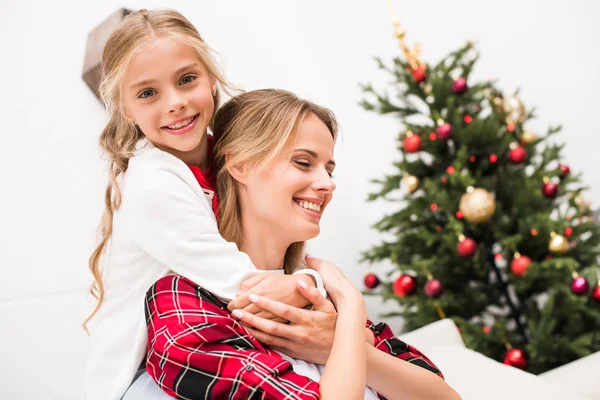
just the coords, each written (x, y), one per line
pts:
(558, 244)
(528, 137)
(411, 182)
(477, 205)
(515, 111)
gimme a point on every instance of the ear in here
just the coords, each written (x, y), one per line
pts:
(126, 115)
(238, 171)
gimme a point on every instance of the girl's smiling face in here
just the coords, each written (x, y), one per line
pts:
(167, 91)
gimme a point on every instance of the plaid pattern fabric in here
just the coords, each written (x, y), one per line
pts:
(196, 350)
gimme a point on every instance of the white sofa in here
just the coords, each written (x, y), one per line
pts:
(476, 377)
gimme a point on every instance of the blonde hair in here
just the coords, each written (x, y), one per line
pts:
(253, 127)
(119, 137)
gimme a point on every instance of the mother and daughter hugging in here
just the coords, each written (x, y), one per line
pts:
(204, 291)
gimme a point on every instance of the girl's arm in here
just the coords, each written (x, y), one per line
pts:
(163, 215)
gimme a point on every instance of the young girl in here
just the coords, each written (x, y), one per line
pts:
(274, 159)
(160, 86)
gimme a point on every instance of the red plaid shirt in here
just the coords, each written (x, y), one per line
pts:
(196, 350)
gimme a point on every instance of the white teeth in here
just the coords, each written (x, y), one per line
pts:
(309, 206)
(181, 124)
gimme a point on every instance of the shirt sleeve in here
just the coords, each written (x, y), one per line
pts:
(167, 219)
(386, 341)
(196, 350)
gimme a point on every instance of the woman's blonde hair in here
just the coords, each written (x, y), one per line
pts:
(119, 137)
(253, 127)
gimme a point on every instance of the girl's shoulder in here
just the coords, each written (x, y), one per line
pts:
(154, 170)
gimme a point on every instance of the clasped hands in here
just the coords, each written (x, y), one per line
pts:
(271, 308)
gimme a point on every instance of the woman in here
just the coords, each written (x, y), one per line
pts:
(274, 159)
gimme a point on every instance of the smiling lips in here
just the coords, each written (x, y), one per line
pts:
(181, 126)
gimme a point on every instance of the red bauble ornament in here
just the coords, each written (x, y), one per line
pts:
(466, 247)
(596, 293)
(580, 285)
(371, 281)
(444, 131)
(412, 143)
(550, 190)
(419, 74)
(517, 155)
(519, 265)
(434, 288)
(516, 358)
(459, 86)
(564, 170)
(405, 285)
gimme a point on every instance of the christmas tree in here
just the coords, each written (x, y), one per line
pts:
(492, 229)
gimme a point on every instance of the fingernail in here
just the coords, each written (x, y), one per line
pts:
(303, 285)
(308, 257)
(253, 298)
(238, 314)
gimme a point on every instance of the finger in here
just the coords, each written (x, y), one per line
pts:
(264, 325)
(312, 262)
(252, 309)
(319, 302)
(292, 314)
(266, 339)
(254, 280)
(239, 302)
(272, 317)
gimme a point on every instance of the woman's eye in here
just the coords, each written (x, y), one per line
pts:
(304, 164)
(146, 93)
(188, 79)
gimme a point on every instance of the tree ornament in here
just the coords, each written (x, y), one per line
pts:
(579, 285)
(558, 244)
(371, 281)
(515, 111)
(444, 131)
(549, 189)
(404, 285)
(596, 293)
(412, 142)
(459, 86)
(466, 247)
(419, 74)
(411, 182)
(516, 358)
(528, 137)
(517, 154)
(520, 264)
(434, 288)
(477, 205)
(564, 170)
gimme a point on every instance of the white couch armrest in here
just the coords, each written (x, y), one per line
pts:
(440, 333)
(580, 376)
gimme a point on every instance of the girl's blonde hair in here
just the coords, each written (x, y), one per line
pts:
(119, 137)
(253, 127)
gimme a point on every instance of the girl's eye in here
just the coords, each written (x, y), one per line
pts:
(330, 174)
(187, 79)
(146, 93)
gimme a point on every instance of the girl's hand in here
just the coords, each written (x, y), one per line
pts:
(281, 288)
(308, 337)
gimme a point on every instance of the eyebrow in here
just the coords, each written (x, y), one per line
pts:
(148, 81)
(314, 155)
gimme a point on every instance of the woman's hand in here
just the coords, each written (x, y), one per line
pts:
(339, 288)
(281, 288)
(308, 337)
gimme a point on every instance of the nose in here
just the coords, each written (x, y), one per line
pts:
(323, 182)
(176, 102)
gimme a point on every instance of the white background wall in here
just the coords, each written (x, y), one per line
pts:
(52, 176)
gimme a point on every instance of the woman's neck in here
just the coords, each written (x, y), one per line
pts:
(266, 251)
